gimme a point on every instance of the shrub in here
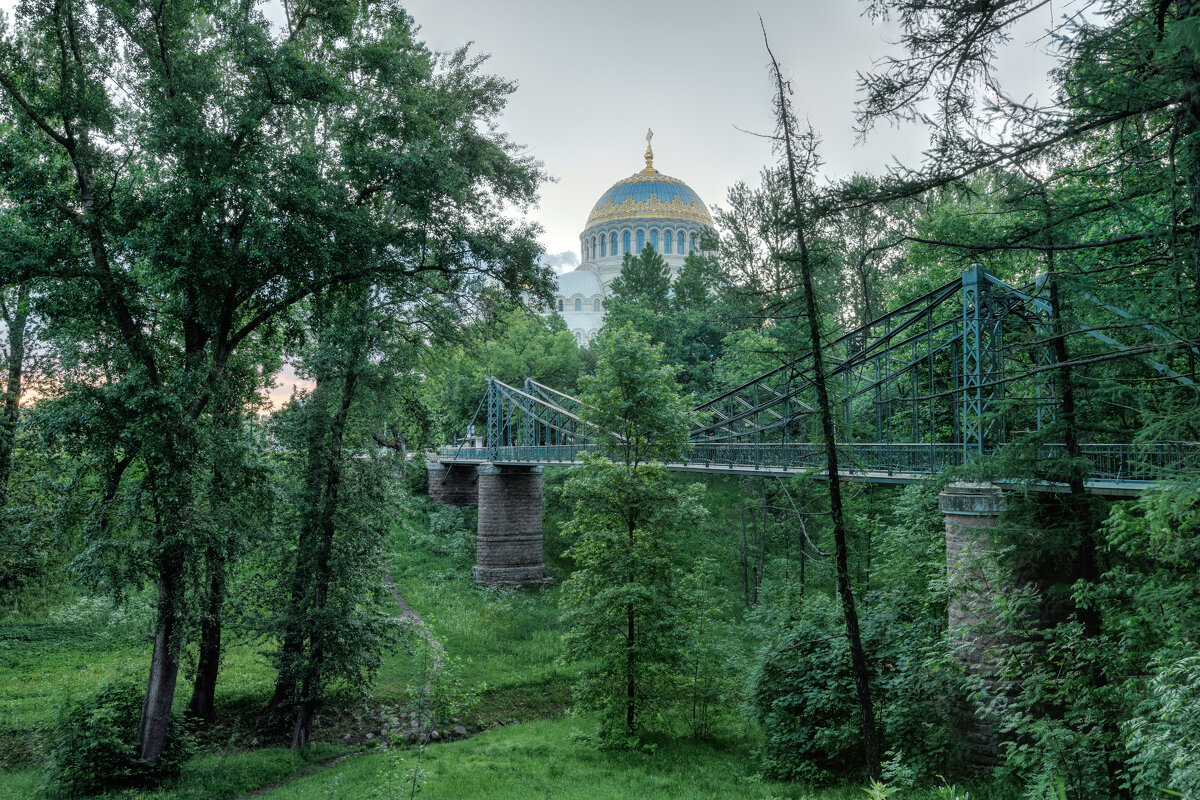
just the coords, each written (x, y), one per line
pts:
(416, 476)
(91, 744)
(802, 695)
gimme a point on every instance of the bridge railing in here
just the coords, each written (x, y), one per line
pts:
(1117, 462)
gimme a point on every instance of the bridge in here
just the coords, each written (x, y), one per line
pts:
(949, 378)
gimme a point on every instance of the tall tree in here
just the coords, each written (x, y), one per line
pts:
(206, 172)
(623, 603)
(801, 162)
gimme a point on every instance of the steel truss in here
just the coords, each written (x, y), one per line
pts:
(931, 384)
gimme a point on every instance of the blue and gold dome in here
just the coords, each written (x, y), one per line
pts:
(649, 193)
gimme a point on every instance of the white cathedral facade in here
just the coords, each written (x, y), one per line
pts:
(645, 208)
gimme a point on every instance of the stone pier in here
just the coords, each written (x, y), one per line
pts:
(975, 580)
(453, 484)
(508, 549)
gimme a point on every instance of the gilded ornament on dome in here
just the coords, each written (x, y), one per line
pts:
(650, 207)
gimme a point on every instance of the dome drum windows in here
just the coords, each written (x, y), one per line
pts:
(641, 240)
(578, 304)
(626, 237)
(603, 248)
(654, 239)
(681, 243)
(612, 239)
(667, 239)
(596, 305)
(560, 304)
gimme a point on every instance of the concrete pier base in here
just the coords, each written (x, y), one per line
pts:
(453, 485)
(508, 549)
(975, 631)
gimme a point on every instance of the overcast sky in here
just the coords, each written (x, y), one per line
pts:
(593, 77)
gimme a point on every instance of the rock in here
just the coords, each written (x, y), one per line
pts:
(434, 735)
(459, 730)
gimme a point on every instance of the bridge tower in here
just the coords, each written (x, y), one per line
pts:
(453, 484)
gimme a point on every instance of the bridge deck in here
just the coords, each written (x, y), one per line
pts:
(1107, 487)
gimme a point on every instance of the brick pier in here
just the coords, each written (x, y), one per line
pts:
(453, 485)
(975, 583)
(508, 549)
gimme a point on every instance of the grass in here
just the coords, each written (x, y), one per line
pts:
(508, 640)
(543, 759)
(505, 639)
(216, 776)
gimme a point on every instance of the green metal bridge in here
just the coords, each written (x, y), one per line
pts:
(949, 377)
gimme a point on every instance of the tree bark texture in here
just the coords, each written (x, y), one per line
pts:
(204, 688)
(12, 389)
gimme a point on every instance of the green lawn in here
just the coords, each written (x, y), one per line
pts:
(503, 638)
(543, 760)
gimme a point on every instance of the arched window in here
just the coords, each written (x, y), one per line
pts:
(654, 239)
(641, 239)
(603, 247)
(560, 305)
(667, 239)
(596, 304)
(578, 304)
(593, 248)
(692, 243)
(612, 243)
(626, 241)
(681, 243)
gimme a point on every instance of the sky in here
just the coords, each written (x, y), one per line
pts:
(593, 77)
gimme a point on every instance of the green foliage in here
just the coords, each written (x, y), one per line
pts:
(644, 281)
(509, 343)
(632, 399)
(712, 669)
(801, 688)
(801, 694)
(90, 745)
(1164, 737)
(623, 603)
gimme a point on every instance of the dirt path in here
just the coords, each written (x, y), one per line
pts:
(405, 609)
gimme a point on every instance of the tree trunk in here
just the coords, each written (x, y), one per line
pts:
(204, 688)
(858, 657)
(164, 662)
(1187, 10)
(12, 389)
(325, 528)
(745, 544)
(630, 678)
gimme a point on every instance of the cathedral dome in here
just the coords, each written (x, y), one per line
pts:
(649, 193)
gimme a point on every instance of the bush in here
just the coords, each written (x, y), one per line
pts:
(91, 745)
(802, 695)
(416, 476)
(450, 532)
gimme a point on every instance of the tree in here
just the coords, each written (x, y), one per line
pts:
(200, 174)
(623, 603)
(799, 151)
